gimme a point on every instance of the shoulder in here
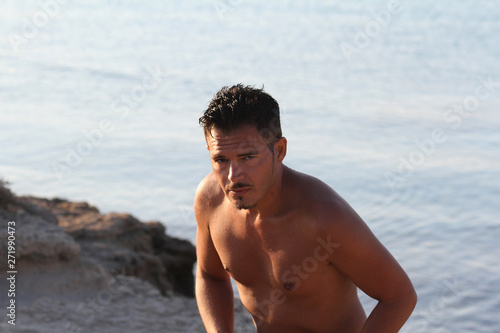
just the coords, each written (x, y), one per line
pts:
(209, 195)
(314, 192)
(320, 201)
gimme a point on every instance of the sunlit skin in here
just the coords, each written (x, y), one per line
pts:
(244, 166)
(295, 248)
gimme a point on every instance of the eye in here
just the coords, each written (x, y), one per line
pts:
(220, 160)
(248, 157)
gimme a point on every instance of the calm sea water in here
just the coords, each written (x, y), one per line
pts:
(394, 104)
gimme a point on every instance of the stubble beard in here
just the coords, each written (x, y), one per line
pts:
(238, 200)
(240, 206)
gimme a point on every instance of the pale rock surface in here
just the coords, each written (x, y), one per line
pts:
(126, 305)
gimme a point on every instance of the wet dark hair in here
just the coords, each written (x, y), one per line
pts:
(239, 105)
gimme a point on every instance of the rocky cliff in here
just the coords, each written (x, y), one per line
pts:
(67, 248)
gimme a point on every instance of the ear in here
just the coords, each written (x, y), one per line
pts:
(280, 149)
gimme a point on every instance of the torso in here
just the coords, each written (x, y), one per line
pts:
(281, 265)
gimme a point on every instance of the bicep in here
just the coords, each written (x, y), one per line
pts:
(208, 260)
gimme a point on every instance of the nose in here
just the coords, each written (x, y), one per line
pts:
(235, 172)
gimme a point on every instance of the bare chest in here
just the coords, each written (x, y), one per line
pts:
(291, 257)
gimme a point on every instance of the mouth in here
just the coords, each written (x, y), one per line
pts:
(239, 189)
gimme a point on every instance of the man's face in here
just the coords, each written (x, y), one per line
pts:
(243, 164)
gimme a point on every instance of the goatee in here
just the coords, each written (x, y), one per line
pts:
(239, 205)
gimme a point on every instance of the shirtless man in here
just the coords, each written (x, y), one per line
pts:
(295, 248)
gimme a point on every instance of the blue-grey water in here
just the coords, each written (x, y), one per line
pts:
(392, 103)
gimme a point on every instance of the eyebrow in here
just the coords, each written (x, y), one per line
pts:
(247, 154)
(216, 157)
(251, 153)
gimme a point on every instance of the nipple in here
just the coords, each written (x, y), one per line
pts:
(289, 286)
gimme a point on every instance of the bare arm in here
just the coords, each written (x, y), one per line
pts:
(374, 270)
(214, 293)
